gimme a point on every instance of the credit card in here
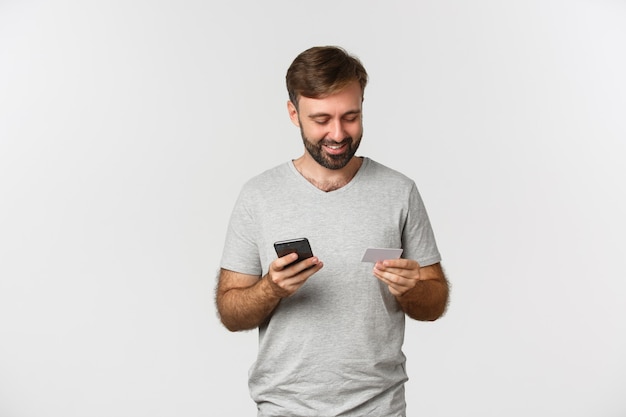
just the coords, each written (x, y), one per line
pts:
(380, 254)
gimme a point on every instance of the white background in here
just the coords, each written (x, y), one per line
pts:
(127, 128)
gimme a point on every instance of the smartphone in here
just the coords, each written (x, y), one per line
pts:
(300, 246)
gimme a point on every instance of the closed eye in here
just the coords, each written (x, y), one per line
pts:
(323, 119)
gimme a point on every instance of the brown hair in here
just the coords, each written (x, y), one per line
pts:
(323, 70)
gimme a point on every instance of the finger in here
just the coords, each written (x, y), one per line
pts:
(399, 283)
(393, 273)
(291, 278)
(400, 263)
(285, 261)
(307, 264)
(409, 269)
(394, 289)
(394, 280)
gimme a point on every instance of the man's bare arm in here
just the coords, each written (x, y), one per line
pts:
(428, 300)
(245, 301)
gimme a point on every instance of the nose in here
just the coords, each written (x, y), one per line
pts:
(337, 131)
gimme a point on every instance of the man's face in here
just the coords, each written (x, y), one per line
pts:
(331, 127)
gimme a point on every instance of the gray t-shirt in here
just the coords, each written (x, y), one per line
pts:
(335, 346)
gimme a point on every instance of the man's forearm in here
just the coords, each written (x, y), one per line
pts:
(427, 301)
(246, 308)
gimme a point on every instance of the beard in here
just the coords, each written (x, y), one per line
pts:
(329, 161)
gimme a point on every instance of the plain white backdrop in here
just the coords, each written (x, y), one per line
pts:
(127, 128)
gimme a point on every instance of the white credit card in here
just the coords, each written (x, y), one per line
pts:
(380, 254)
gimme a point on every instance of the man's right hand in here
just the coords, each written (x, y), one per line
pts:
(286, 279)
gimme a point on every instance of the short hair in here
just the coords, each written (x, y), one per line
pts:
(321, 71)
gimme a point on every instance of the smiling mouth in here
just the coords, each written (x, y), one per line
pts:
(335, 146)
(336, 149)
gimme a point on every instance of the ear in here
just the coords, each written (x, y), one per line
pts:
(293, 113)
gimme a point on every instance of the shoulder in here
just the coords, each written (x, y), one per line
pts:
(376, 172)
(266, 180)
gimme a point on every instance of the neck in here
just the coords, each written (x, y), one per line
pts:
(327, 179)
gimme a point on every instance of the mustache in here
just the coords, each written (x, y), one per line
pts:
(329, 142)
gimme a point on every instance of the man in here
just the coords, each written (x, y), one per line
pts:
(331, 327)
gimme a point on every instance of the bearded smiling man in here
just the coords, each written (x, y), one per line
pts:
(331, 327)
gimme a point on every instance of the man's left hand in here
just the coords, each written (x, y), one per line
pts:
(400, 275)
